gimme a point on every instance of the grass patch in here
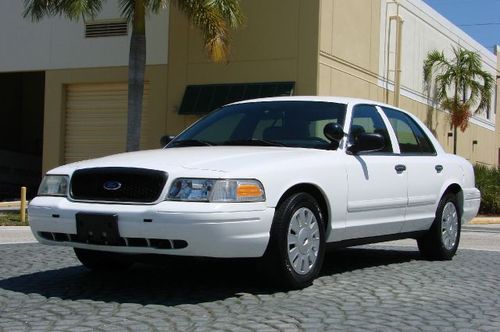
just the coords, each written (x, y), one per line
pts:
(488, 182)
(11, 219)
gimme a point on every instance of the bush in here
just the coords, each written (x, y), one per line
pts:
(488, 182)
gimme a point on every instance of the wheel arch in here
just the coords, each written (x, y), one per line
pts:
(314, 191)
(456, 189)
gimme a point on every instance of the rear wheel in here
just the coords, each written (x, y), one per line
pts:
(297, 244)
(103, 260)
(441, 242)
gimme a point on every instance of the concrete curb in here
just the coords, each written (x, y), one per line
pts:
(15, 204)
(485, 221)
(10, 206)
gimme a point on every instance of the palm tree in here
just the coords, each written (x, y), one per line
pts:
(214, 18)
(463, 76)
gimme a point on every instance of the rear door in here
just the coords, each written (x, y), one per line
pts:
(426, 173)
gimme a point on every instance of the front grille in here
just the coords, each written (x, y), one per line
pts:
(117, 184)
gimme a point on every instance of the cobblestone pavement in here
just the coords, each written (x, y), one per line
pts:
(368, 288)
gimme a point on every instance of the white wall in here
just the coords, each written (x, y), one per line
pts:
(57, 43)
(423, 30)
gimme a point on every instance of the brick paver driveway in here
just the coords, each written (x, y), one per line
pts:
(369, 288)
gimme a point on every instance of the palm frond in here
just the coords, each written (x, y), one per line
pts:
(127, 7)
(230, 11)
(434, 59)
(37, 9)
(72, 9)
(213, 18)
(156, 5)
(486, 90)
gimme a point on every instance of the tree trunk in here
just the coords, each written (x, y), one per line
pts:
(454, 140)
(136, 69)
(455, 99)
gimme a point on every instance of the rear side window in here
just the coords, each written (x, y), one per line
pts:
(411, 138)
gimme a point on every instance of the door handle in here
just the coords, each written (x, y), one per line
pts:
(439, 168)
(400, 168)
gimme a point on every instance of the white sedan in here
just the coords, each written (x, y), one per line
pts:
(277, 178)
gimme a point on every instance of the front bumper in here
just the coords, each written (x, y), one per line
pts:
(206, 229)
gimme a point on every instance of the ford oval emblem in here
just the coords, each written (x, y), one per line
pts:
(112, 185)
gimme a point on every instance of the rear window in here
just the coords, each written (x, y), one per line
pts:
(411, 138)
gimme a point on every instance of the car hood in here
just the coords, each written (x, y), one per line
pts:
(214, 158)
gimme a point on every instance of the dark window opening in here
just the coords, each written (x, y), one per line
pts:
(365, 119)
(21, 133)
(411, 138)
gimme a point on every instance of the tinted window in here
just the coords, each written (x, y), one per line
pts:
(365, 119)
(411, 138)
(290, 123)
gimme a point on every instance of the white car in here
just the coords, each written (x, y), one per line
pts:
(277, 178)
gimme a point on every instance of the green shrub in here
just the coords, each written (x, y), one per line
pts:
(488, 182)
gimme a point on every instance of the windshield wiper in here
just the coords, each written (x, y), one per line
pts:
(191, 142)
(253, 141)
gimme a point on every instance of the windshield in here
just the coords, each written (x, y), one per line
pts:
(273, 123)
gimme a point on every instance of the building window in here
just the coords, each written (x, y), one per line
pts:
(202, 99)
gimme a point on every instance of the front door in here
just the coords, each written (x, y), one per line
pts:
(377, 184)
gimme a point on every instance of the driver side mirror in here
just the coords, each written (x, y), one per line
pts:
(367, 143)
(334, 132)
(164, 140)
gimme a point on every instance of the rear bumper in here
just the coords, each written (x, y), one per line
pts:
(208, 229)
(472, 200)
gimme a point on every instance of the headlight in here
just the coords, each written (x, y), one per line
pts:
(54, 185)
(212, 190)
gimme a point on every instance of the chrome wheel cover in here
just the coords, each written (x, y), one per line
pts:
(303, 241)
(449, 226)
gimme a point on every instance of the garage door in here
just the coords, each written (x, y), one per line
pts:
(96, 120)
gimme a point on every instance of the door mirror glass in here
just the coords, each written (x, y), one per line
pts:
(368, 143)
(333, 131)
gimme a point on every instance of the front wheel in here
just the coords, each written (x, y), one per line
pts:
(297, 244)
(441, 241)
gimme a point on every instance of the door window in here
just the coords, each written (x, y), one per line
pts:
(365, 119)
(411, 138)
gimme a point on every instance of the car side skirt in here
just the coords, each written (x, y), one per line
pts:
(374, 239)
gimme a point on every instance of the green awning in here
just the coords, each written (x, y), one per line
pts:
(202, 99)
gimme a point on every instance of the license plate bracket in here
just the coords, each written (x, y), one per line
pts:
(99, 229)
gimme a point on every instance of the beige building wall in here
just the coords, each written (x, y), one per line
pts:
(55, 105)
(351, 61)
(497, 98)
(349, 48)
(279, 42)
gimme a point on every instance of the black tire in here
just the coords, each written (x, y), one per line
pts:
(437, 243)
(103, 260)
(277, 257)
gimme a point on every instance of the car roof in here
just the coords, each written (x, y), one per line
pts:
(331, 99)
